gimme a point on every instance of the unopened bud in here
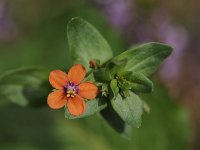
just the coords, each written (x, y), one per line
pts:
(93, 64)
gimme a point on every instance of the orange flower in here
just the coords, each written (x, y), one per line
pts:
(70, 90)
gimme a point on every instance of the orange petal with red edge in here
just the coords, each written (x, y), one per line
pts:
(76, 73)
(76, 105)
(58, 79)
(57, 99)
(88, 90)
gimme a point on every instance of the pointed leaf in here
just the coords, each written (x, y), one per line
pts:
(139, 82)
(86, 43)
(114, 120)
(130, 109)
(114, 88)
(145, 58)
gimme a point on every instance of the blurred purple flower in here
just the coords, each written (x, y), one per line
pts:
(137, 28)
(177, 37)
(118, 12)
(8, 29)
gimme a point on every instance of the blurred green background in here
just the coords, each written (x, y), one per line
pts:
(33, 33)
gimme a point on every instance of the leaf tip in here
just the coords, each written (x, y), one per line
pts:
(168, 49)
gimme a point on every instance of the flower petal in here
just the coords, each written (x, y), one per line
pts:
(88, 90)
(58, 79)
(57, 99)
(76, 73)
(76, 106)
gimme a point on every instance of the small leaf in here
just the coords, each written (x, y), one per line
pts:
(114, 120)
(92, 107)
(86, 43)
(104, 90)
(130, 108)
(107, 73)
(22, 76)
(24, 86)
(146, 107)
(145, 58)
(114, 67)
(13, 93)
(114, 88)
(140, 83)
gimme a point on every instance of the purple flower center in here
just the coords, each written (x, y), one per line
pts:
(71, 90)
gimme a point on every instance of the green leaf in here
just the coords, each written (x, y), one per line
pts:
(130, 109)
(13, 93)
(22, 76)
(146, 107)
(114, 67)
(114, 120)
(25, 86)
(86, 43)
(139, 82)
(145, 58)
(108, 72)
(92, 107)
(114, 88)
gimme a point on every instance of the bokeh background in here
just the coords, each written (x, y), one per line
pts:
(33, 33)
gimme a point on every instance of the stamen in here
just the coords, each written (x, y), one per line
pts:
(71, 90)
